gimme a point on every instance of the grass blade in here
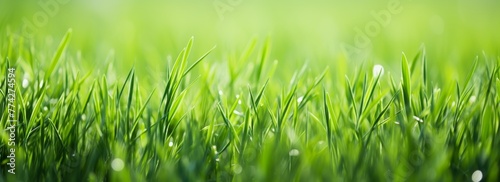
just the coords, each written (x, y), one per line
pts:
(62, 46)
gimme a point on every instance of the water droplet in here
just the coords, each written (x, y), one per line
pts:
(221, 93)
(170, 144)
(117, 164)
(25, 83)
(214, 148)
(237, 169)
(378, 70)
(477, 176)
(472, 99)
(418, 119)
(84, 116)
(45, 108)
(294, 152)
(299, 100)
(238, 113)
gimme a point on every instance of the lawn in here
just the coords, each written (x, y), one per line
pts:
(215, 90)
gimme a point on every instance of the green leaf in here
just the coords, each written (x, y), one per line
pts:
(62, 46)
(406, 85)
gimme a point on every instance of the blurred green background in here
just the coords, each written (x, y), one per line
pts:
(318, 31)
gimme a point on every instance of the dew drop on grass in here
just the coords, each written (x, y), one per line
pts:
(25, 83)
(170, 144)
(84, 116)
(477, 176)
(418, 119)
(238, 113)
(299, 100)
(237, 169)
(294, 152)
(472, 99)
(45, 108)
(378, 70)
(221, 93)
(214, 148)
(117, 164)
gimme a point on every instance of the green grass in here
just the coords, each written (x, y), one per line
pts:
(167, 90)
(198, 123)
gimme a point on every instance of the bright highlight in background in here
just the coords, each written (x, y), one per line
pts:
(477, 176)
(117, 164)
